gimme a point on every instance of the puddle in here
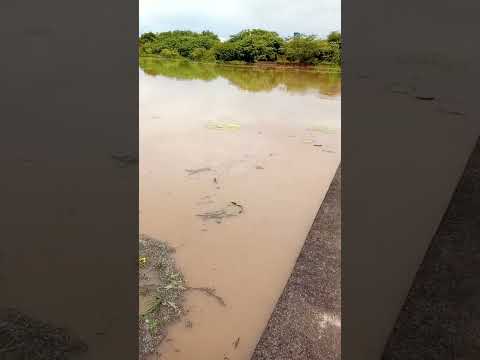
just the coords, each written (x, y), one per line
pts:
(236, 205)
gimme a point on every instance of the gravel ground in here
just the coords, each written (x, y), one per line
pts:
(441, 316)
(163, 285)
(22, 337)
(305, 323)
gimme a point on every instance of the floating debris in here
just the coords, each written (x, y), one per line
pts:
(258, 167)
(125, 159)
(318, 145)
(215, 180)
(455, 112)
(196, 171)
(322, 129)
(188, 324)
(329, 151)
(235, 344)
(223, 126)
(237, 205)
(210, 292)
(425, 97)
(451, 108)
(232, 209)
(425, 91)
(218, 214)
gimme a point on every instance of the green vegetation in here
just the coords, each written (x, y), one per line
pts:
(246, 47)
(305, 49)
(182, 43)
(251, 46)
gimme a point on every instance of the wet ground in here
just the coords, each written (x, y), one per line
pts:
(231, 177)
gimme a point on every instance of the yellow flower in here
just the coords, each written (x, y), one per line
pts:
(142, 260)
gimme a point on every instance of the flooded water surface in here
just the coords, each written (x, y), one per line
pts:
(234, 164)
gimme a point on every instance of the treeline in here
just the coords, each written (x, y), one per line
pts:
(248, 46)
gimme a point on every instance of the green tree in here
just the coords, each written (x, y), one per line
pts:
(334, 36)
(184, 42)
(303, 49)
(257, 45)
(147, 38)
(226, 51)
(202, 54)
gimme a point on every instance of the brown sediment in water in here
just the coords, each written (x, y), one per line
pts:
(246, 258)
(306, 321)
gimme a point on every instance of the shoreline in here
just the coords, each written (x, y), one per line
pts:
(259, 65)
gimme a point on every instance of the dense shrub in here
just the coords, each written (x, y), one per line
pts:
(334, 36)
(226, 51)
(202, 54)
(257, 45)
(249, 46)
(303, 49)
(169, 54)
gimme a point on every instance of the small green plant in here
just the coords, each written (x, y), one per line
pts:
(152, 324)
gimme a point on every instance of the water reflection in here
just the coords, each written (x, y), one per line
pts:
(248, 78)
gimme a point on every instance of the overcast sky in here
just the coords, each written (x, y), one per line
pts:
(227, 17)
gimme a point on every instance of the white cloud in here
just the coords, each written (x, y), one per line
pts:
(230, 16)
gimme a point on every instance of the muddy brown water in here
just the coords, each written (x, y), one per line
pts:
(260, 146)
